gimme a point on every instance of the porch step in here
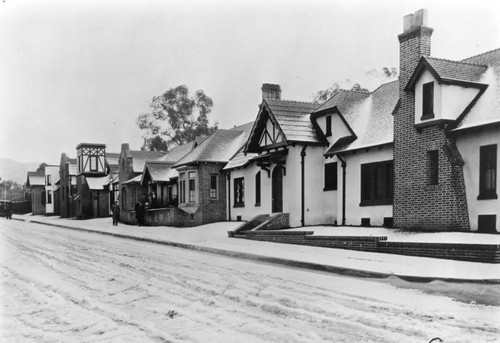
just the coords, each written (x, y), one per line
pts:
(262, 222)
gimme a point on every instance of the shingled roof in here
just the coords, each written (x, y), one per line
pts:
(293, 119)
(447, 71)
(218, 147)
(369, 115)
(35, 179)
(158, 171)
(487, 108)
(141, 157)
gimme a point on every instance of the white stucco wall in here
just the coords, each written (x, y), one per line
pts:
(250, 210)
(468, 144)
(53, 171)
(354, 212)
(449, 100)
(339, 129)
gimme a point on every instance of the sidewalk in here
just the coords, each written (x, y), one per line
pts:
(213, 238)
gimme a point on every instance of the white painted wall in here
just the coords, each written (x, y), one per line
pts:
(468, 144)
(250, 210)
(339, 129)
(449, 100)
(53, 171)
(354, 212)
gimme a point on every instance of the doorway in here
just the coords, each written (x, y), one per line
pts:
(277, 190)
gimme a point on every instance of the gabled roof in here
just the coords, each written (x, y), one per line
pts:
(178, 152)
(369, 116)
(97, 183)
(218, 147)
(158, 171)
(292, 119)
(449, 72)
(113, 159)
(139, 158)
(486, 108)
(35, 179)
(136, 179)
(240, 160)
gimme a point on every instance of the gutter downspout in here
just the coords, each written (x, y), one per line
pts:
(302, 186)
(343, 163)
(229, 195)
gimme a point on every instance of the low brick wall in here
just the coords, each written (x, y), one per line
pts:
(362, 243)
(289, 237)
(488, 253)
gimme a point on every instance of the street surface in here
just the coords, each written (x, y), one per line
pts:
(59, 285)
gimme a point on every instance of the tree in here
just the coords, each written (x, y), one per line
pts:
(176, 118)
(374, 76)
(41, 167)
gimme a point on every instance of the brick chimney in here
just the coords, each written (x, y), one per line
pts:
(415, 42)
(418, 201)
(271, 91)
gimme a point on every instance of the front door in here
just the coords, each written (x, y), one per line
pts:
(277, 189)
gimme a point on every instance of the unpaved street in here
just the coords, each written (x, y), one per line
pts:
(59, 285)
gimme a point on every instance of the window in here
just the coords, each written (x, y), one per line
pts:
(257, 189)
(330, 177)
(192, 176)
(488, 172)
(328, 131)
(433, 160)
(239, 192)
(427, 100)
(376, 183)
(182, 191)
(93, 163)
(49, 197)
(49, 180)
(213, 186)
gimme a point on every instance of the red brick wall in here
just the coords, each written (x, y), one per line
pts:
(417, 204)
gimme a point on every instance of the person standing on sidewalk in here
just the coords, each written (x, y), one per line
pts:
(116, 213)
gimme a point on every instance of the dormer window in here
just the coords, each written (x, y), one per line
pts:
(328, 131)
(427, 101)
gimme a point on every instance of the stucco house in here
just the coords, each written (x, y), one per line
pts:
(52, 201)
(35, 181)
(420, 152)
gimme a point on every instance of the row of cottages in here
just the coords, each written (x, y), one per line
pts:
(420, 152)
(76, 188)
(184, 187)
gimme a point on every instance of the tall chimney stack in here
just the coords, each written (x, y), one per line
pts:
(271, 91)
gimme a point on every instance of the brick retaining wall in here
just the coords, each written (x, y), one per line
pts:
(487, 253)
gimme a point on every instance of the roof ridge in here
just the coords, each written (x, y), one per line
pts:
(481, 54)
(293, 101)
(448, 60)
(352, 91)
(384, 84)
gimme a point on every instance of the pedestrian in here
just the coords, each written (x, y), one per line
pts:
(116, 213)
(138, 213)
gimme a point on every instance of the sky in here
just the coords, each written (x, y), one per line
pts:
(83, 70)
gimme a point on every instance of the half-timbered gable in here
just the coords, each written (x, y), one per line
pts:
(91, 158)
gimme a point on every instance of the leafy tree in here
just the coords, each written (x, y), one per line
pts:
(41, 167)
(376, 76)
(175, 118)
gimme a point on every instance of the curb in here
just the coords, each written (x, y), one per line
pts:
(276, 260)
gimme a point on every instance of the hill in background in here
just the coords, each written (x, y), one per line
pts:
(16, 171)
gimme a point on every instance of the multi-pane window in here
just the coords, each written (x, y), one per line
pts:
(49, 180)
(488, 172)
(257, 189)
(213, 186)
(93, 163)
(433, 160)
(239, 192)
(330, 177)
(328, 131)
(428, 100)
(49, 197)
(192, 185)
(377, 183)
